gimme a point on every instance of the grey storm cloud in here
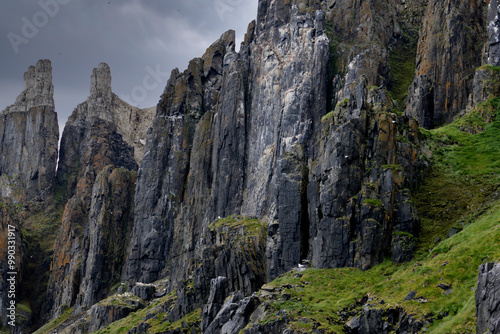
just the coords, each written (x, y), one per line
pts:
(138, 39)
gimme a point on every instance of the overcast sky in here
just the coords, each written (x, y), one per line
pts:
(135, 37)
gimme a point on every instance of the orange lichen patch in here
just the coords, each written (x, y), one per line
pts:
(387, 134)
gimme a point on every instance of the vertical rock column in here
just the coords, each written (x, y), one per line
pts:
(29, 134)
(289, 58)
(175, 178)
(91, 142)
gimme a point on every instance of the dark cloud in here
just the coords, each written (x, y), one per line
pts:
(134, 37)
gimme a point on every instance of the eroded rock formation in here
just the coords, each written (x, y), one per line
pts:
(449, 50)
(289, 150)
(330, 188)
(96, 171)
(29, 135)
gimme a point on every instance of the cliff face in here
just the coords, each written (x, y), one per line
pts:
(29, 135)
(290, 151)
(207, 159)
(331, 188)
(99, 136)
(449, 50)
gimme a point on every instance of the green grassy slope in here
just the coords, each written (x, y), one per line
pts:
(461, 193)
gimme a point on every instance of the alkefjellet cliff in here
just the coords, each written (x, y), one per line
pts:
(304, 149)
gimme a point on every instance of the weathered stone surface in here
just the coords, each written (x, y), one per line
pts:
(38, 88)
(236, 252)
(333, 192)
(102, 314)
(391, 320)
(29, 134)
(492, 49)
(206, 151)
(234, 315)
(218, 293)
(100, 131)
(144, 291)
(359, 184)
(487, 78)
(94, 234)
(363, 33)
(487, 299)
(108, 233)
(486, 85)
(448, 53)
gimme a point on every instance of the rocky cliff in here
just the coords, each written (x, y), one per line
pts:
(331, 187)
(449, 50)
(488, 283)
(99, 147)
(29, 135)
(299, 150)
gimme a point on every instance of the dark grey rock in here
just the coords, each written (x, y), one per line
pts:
(411, 295)
(101, 315)
(391, 320)
(403, 247)
(144, 291)
(234, 315)
(142, 328)
(493, 43)
(487, 301)
(218, 293)
(437, 94)
(29, 135)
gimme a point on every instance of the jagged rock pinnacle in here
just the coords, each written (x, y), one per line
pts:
(29, 134)
(101, 81)
(38, 88)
